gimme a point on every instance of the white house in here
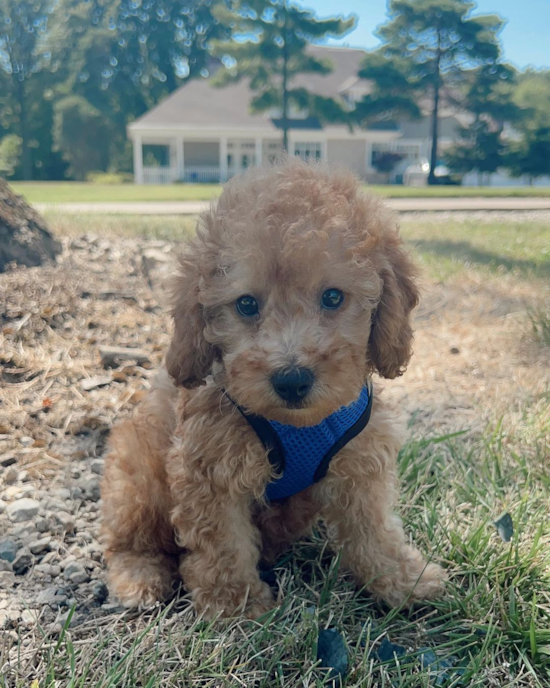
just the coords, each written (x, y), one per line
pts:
(203, 133)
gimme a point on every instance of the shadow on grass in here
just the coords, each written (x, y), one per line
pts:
(464, 251)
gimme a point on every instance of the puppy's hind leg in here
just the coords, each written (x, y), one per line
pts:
(139, 544)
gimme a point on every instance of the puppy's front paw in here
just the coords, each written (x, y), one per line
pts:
(430, 585)
(234, 602)
(139, 581)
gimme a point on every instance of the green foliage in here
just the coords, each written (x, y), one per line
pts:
(80, 133)
(267, 46)
(426, 47)
(531, 154)
(10, 152)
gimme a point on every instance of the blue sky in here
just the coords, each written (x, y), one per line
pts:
(526, 37)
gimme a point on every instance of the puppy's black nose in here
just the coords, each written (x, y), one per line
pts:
(292, 384)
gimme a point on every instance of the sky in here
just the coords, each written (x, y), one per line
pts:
(525, 38)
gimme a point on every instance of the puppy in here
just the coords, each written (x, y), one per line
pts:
(295, 290)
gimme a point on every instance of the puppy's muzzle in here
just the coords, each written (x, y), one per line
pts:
(293, 384)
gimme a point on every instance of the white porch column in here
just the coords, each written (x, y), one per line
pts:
(258, 152)
(368, 156)
(138, 159)
(324, 150)
(180, 161)
(223, 159)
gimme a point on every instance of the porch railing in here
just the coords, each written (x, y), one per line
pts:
(200, 174)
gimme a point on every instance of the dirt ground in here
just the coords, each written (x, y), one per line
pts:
(474, 358)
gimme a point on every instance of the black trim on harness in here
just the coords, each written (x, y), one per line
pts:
(268, 437)
(276, 452)
(359, 425)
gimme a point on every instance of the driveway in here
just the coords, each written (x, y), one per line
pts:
(400, 205)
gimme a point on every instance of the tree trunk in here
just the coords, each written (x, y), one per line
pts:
(435, 114)
(23, 129)
(285, 79)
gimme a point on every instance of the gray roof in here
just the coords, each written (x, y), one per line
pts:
(204, 105)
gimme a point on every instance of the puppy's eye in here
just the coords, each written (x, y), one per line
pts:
(332, 299)
(247, 306)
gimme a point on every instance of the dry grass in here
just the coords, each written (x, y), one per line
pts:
(478, 395)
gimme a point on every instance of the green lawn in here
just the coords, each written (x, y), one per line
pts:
(67, 192)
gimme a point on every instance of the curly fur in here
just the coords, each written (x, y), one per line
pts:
(185, 478)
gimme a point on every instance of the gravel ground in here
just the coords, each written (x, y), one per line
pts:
(57, 403)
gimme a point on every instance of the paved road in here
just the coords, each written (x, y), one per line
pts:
(401, 205)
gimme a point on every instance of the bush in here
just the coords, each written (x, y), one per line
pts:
(110, 177)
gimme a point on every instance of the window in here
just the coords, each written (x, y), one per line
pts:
(155, 155)
(308, 150)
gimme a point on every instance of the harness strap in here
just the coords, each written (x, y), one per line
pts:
(271, 441)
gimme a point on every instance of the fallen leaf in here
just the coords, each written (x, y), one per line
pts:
(505, 527)
(332, 652)
(387, 650)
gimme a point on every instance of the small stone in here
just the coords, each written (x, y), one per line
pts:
(42, 525)
(62, 493)
(22, 561)
(28, 617)
(23, 510)
(8, 550)
(55, 597)
(7, 460)
(40, 546)
(112, 608)
(76, 573)
(7, 580)
(5, 565)
(70, 559)
(76, 492)
(97, 466)
(24, 476)
(26, 441)
(3, 506)
(24, 531)
(64, 520)
(99, 591)
(455, 350)
(10, 476)
(91, 489)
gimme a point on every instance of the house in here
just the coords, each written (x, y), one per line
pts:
(203, 133)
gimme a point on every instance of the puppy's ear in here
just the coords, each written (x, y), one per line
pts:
(390, 341)
(190, 356)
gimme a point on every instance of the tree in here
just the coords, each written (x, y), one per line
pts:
(530, 140)
(80, 132)
(10, 152)
(267, 45)
(23, 26)
(123, 56)
(487, 98)
(428, 45)
(531, 154)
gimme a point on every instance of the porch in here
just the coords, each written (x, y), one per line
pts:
(163, 160)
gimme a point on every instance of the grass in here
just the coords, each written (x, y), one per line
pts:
(68, 192)
(493, 625)
(445, 248)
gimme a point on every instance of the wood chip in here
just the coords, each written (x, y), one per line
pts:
(90, 383)
(112, 356)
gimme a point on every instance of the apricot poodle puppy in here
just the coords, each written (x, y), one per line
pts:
(295, 290)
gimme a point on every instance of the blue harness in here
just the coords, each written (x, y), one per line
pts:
(301, 456)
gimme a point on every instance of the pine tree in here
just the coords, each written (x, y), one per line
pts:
(487, 97)
(429, 45)
(268, 45)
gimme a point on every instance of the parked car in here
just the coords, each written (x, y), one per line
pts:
(417, 174)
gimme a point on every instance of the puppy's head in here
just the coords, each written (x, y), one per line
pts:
(295, 289)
